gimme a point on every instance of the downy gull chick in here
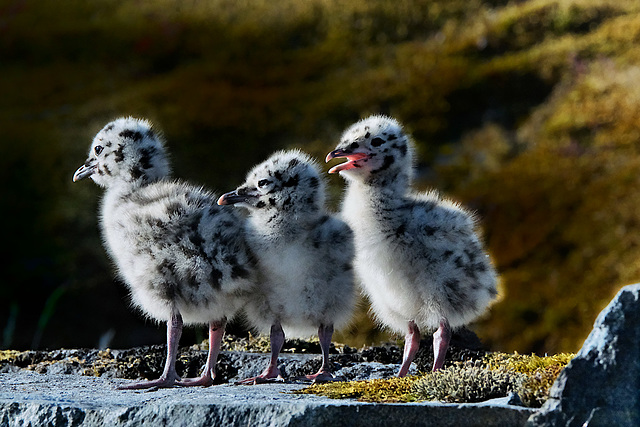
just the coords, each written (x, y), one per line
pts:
(183, 257)
(304, 256)
(418, 257)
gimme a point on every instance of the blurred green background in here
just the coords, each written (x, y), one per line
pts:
(526, 111)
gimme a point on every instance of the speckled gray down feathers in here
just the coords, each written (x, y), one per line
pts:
(304, 257)
(173, 245)
(304, 254)
(183, 257)
(418, 256)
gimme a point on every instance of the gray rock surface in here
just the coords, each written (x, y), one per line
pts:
(78, 387)
(31, 399)
(601, 385)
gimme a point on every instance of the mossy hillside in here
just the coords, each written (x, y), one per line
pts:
(569, 208)
(524, 111)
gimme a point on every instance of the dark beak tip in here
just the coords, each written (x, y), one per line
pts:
(333, 155)
(78, 175)
(231, 198)
(84, 171)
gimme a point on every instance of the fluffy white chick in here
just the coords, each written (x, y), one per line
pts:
(304, 256)
(183, 257)
(418, 256)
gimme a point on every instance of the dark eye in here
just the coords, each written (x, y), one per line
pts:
(98, 149)
(263, 182)
(376, 142)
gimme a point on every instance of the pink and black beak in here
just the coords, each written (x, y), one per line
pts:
(352, 160)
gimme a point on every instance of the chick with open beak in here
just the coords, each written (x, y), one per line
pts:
(419, 258)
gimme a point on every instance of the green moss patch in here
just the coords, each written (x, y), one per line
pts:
(496, 375)
(387, 391)
(8, 355)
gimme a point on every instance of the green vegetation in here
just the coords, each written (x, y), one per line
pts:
(387, 391)
(525, 111)
(7, 355)
(459, 384)
(497, 375)
(533, 375)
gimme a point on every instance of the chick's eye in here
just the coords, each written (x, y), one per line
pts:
(98, 149)
(263, 182)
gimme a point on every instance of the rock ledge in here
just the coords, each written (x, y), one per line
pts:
(32, 399)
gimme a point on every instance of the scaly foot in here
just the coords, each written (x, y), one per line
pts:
(260, 380)
(205, 380)
(321, 377)
(162, 382)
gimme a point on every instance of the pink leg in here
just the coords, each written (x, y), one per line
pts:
(324, 374)
(441, 340)
(411, 346)
(169, 376)
(216, 333)
(272, 373)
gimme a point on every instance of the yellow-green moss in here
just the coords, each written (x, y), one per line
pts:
(104, 362)
(462, 383)
(391, 390)
(8, 355)
(497, 375)
(525, 364)
(255, 344)
(534, 388)
(537, 373)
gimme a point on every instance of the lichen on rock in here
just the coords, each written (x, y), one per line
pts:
(495, 375)
(460, 384)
